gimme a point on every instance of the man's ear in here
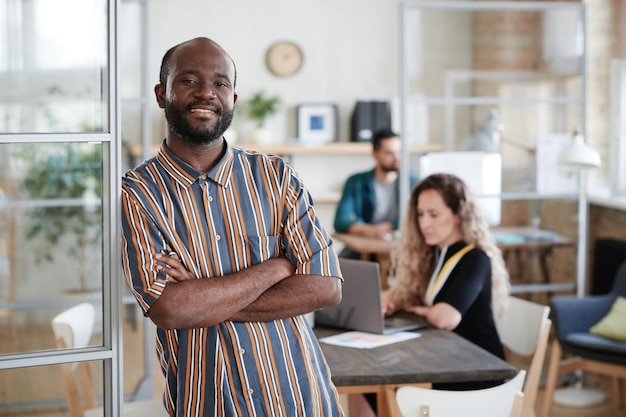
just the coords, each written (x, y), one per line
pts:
(159, 92)
(235, 98)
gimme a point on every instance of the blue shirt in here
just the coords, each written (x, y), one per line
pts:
(358, 201)
(247, 209)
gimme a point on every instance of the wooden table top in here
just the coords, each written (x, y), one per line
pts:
(528, 238)
(436, 356)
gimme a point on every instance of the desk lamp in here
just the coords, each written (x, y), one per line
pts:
(580, 157)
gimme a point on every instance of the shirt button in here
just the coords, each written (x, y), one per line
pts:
(210, 198)
(218, 237)
(250, 391)
(242, 351)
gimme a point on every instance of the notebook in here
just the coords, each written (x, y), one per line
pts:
(360, 307)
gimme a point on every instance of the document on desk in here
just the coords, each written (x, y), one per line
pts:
(363, 340)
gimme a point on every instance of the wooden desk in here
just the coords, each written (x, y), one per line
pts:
(436, 356)
(538, 242)
(368, 247)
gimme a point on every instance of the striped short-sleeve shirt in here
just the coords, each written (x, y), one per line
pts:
(247, 209)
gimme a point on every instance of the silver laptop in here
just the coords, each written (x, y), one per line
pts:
(360, 307)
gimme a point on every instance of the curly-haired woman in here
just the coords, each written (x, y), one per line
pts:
(448, 267)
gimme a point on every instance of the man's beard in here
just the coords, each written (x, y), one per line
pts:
(180, 126)
(389, 169)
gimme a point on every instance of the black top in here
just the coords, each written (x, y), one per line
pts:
(468, 289)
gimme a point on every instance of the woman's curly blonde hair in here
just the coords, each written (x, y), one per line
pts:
(413, 261)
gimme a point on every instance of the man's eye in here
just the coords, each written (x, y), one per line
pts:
(189, 81)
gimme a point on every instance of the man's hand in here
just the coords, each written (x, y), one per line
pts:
(174, 269)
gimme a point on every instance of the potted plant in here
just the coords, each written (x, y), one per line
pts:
(258, 108)
(67, 171)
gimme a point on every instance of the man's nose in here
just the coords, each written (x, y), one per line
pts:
(205, 90)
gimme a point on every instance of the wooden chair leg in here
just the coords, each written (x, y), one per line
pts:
(74, 403)
(89, 393)
(618, 392)
(552, 377)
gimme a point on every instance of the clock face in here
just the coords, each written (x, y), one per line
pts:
(284, 58)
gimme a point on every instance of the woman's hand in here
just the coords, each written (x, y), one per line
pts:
(419, 310)
(388, 303)
(174, 269)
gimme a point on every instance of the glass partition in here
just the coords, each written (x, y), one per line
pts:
(504, 79)
(43, 390)
(50, 233)
(495, 77)
(53, 66)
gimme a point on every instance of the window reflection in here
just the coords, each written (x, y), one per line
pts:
(52, 80)
(42, 390)
(51, 231)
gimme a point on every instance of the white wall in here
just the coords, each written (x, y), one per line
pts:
(351, 49)
(351, 52)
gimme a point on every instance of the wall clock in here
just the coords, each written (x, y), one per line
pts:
(284, 58)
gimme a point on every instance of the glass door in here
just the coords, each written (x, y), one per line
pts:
(60, 292)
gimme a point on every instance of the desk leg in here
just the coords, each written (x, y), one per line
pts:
(517, 271)
(387, 404)
(384, 262)
(543, 264)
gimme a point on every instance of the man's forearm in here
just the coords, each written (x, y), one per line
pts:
(205, 302)
(293, 296)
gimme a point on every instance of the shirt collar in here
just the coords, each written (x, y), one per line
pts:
(186, 175)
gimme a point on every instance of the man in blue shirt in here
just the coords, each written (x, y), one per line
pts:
(369, 204)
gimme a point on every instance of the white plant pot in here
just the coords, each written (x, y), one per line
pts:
(262, 136)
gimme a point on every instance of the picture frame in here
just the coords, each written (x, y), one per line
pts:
(317, 123)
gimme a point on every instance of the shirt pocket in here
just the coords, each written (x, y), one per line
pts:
(257, 249)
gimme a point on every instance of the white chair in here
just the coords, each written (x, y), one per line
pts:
(73, 329)
(525, 331)
(499, 401)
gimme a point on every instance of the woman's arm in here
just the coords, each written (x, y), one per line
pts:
(441, 315)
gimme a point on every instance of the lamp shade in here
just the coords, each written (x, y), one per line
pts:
(579, 155)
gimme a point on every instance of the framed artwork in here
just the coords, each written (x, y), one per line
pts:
(317, 123)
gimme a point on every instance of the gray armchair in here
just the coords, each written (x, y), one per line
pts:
(572, 318)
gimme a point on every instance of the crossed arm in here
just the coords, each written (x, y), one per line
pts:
(263, 292)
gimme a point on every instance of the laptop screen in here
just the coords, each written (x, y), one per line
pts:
(360, 307)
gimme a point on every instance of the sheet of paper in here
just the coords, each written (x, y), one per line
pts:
(363, 340)
(551, 178)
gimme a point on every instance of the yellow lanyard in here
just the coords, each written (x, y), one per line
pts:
(444, 272)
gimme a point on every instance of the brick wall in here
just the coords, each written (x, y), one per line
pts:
(515, 47)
